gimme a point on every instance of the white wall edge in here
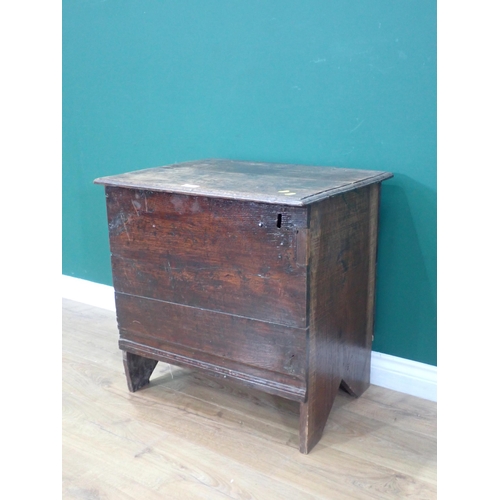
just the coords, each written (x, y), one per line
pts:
(88, 292)
(391, 372)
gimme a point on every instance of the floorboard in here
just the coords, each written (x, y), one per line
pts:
(186, 436)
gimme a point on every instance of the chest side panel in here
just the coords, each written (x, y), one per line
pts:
(240, 258)
(340, 283)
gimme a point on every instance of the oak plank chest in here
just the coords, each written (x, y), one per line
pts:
(260, 273)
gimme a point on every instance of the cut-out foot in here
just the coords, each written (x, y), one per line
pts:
(137, 370)
(314, 414)
(354, 387)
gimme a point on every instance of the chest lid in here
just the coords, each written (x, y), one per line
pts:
(281, 183)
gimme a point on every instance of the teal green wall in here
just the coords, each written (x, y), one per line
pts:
(344, 83)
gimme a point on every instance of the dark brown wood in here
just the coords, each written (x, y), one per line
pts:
(222, 255)
(357, 356)
(138, 369)
(341, 286)
(266, 346)
(215, 366)
(259, 273)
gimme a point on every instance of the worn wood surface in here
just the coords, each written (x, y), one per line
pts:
(272, 383)
(242, 346)
(358, 345)
(342, 246)
(278, 297)
(263, 182)
(222, 255)
(191, 437)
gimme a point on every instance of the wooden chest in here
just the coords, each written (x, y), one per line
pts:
(259, 273)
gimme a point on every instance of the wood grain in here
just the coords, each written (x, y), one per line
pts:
(191, 437)
(277, 183)
(277, 296)
(222, 343)
(214, 254)
(358, 345)
(342, 248)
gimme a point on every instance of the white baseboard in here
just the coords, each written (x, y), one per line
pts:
(404, 375)
(391, 372)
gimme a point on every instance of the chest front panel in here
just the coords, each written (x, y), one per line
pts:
(240, 258)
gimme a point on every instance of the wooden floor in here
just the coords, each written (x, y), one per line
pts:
(189, 437)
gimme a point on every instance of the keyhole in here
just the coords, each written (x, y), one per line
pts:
(278, 221)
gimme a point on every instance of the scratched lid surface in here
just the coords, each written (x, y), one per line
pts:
(279, 183)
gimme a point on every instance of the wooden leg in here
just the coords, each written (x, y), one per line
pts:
(137, 370)
(314, 414)
(356, 368)
(354, 387)
(334, 365)
(342, 290)
(322, 386)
